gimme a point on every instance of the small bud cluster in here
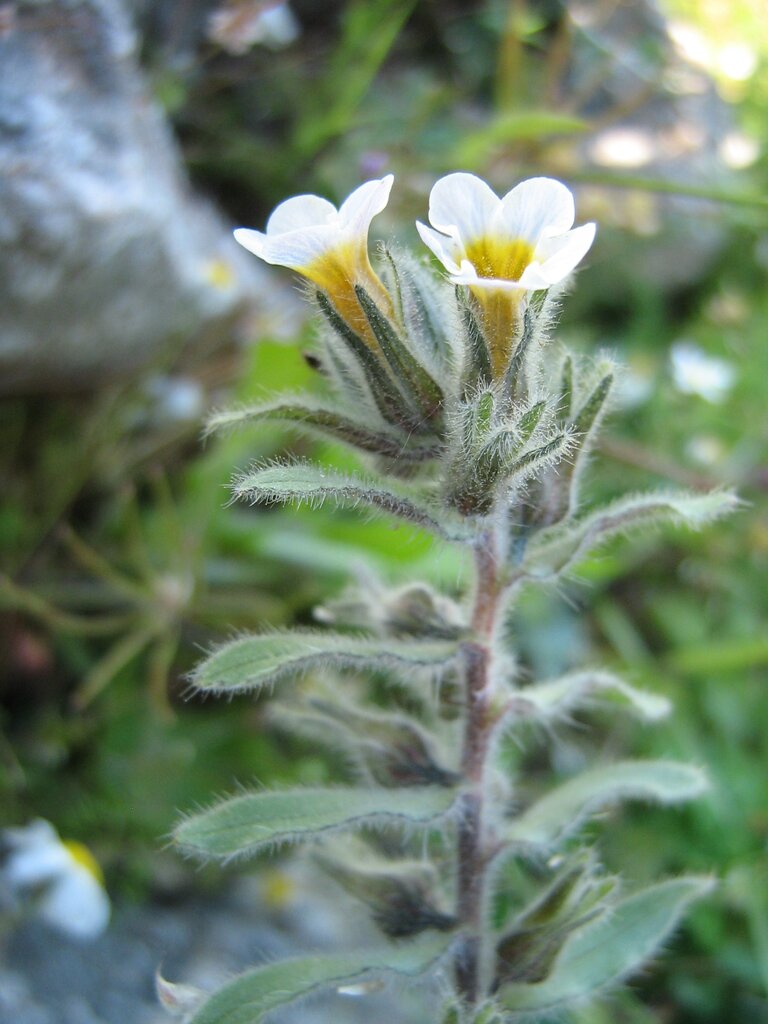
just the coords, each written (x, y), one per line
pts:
(471, 424)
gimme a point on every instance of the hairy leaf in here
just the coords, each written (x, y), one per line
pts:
(554, 550)
(247, 998)
(559, 696)
(247, 824)
(606, 951)
(328, 422)
(303, 483)
(252, 662)
(562, 811)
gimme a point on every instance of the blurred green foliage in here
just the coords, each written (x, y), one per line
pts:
(120, 559)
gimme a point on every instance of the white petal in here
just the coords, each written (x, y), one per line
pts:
(558, 256)
(358, 209)
(300, 212)
(37, 855)
(468, 276)
(293, 248)
(76, 904)
(536, 208)
(464, 202)
(447, 250)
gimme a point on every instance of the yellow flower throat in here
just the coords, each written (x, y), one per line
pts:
(502, 259)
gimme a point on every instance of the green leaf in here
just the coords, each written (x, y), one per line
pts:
(328, 422)
(252, 662)
(247, 824)
(478, 146)
(303, 483)
(562, 811)
(247, 998)
(557, 697)
(554, 550)
(604, 952)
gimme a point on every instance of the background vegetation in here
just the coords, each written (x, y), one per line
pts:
(120, 560)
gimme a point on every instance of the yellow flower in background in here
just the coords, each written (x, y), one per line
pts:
(501, 248)
(327, 246)
(59, 882)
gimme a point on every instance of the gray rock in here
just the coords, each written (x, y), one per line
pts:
(107, 258)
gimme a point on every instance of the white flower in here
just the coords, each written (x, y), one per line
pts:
(61, 878)
(521, 242)
(503, 248)
(326, 245)
(696, 373)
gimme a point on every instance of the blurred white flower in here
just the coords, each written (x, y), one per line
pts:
(502, 248)
(60, 881)
(240, 24)
(327, 246)
(696, 373)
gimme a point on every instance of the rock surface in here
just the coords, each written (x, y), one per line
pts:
(48, 979)
(107, 258)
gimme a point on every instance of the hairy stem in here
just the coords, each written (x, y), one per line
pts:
(472, 840)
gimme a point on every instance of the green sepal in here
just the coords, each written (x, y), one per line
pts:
(247, 998)
(397, 751)
(253, 662)
(328, 422)
(413, 378)
(305, 483)
(400, 894)
(476, 368)
(247, 824)
(566, 390)
(384, 391)
(529, 948)
(515, 377)
(563, 810)
(606, 951)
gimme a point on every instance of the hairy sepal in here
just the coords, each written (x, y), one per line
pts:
(392, 404)
(401, 894)
(247, 998)
(605, 952)
(559, 548)
(414, 380)
(253, 822)
(422, 302)
(254, 662)
(303, 483)
(561, 812)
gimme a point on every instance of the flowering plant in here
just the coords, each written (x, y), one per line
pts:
(476, 428)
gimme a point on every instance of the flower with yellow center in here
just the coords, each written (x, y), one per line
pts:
(60, 882)
(327, 246)
(502, 248)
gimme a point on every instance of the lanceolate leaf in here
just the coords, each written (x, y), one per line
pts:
(606, 951)
(327, 422)
(557, 549)
(557, 697)
(562, 811)
(252, 662)
(247, 998)
(247, 824)
(304, 483)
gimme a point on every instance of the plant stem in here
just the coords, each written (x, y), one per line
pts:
(472, 844)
